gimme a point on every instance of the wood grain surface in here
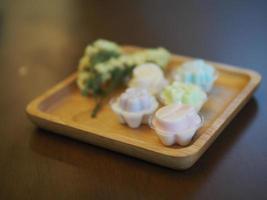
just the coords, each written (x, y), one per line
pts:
(40, 44)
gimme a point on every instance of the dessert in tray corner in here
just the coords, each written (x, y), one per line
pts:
(170, 106)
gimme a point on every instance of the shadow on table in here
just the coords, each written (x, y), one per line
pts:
(131, 173)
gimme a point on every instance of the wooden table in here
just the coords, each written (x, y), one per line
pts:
(40, 44)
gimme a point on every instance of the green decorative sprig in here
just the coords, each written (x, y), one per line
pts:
(104, 67)
(118, 76)
(102, 56)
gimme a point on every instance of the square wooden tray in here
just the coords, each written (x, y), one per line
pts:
(63, 110)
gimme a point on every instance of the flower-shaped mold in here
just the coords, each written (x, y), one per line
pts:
(149, 76)
(196, 72)
(134, 106)
(179, 92)
(176, 123)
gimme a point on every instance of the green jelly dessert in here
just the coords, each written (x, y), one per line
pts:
(179, 92)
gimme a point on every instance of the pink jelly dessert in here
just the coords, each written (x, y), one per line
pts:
(134, 106)
(176, 123)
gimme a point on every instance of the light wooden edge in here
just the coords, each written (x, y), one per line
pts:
(192, 152)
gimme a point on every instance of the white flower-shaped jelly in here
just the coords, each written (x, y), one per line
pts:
(149, 76)
(134, 106)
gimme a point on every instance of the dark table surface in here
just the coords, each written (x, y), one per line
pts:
(40, 44)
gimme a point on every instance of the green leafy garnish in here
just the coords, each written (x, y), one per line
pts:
(102, 56)
(93, 85)
(117, 78)
(105, 66)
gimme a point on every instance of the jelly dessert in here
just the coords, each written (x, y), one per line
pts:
(176, 123)
(179, 92)
(134, 106)
(196, 72)
(149, 76)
